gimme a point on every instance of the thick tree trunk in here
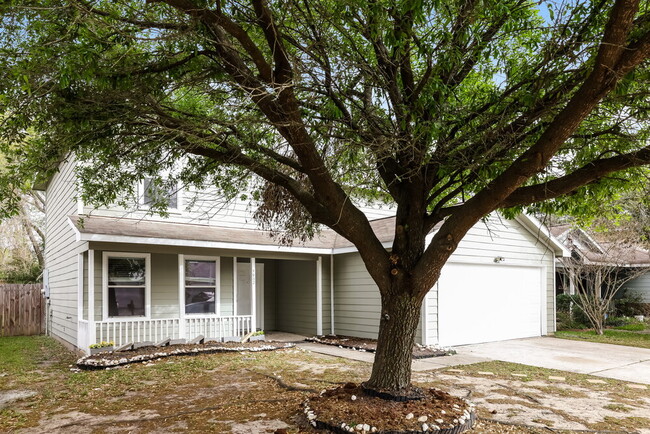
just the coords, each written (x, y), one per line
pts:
(391, 371)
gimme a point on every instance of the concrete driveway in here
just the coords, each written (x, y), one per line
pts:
(602, 360)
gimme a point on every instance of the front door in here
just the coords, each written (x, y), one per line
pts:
(244, 291)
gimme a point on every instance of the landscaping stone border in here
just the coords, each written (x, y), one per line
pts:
(319, 424)
(91, 362)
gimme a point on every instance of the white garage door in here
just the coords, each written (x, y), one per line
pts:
(485, 303)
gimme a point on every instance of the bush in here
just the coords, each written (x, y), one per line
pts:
(569, 315)
(630, 304)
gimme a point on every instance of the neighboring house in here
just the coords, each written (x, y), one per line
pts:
(592, 248)
(120, 275)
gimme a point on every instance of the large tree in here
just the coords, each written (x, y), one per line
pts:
(448, 110)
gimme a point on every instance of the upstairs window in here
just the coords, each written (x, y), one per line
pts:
(156, 193)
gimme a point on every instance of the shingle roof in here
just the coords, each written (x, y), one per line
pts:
(326, 239)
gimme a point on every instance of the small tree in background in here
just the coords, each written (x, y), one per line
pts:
(596, 283)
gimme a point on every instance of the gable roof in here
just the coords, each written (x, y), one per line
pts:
(123, 230)
(595, 248)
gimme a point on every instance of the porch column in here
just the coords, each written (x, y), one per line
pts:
(234, 286)
(319, 296)
(253, 296)
(92, 333)
(181, 297)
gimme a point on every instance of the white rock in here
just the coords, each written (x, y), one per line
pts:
(366, 427)
(311, 416)
(373, 429)
(359, 427)
(353, 397)
(443, 412)
(456, 406)
(313, 423)
(439, 421)
(343, 425)
(455, 421)
(422, 419)
(409, 416)
(434, 427)
(425, 427)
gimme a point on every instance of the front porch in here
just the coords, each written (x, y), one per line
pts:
(127, 296)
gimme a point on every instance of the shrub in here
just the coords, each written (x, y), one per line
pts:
(630, 304)
(569, 315)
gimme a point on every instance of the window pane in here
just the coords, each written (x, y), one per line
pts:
(126, 271)
(199, 300)
(156, 193)
(200, 273)
(125, 302)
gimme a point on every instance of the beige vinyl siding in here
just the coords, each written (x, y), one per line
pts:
(357, 304)
(327, 317)
(296, 300)
(640, 286)
(164, 286)
(61, 249)
(431, 320)
(209, 208)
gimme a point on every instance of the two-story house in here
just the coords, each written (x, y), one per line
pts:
(126, 276)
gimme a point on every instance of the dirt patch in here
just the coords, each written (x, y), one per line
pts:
(350, 407)
(370, 346)
(9, 396)
(538, 403)
(117, 358)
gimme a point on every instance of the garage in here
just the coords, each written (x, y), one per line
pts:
(489, 302)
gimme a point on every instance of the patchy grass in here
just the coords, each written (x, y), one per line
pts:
(616, 337)
(247, 392)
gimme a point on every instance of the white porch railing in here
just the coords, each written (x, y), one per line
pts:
(122, 332)
(141, 330)
(218, 326)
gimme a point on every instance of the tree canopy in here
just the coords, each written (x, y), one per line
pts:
(447, 110)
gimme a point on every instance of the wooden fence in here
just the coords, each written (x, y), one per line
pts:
(22, 310)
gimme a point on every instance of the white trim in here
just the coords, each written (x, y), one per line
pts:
(352, 249)
(197, 243)
(181, 296)
(554, 328)
(179, 199)
(217, 287)
(543, 234)
(91, 297)
(77, 234)
(544, 304)
(234, 285)
(332, 294)
(147, 285)
(253, 295)
(319, 296)
(259, 276)
(80, 286)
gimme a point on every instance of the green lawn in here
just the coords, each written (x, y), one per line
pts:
(616, 337)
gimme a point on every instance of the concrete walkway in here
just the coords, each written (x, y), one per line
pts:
(602, 360)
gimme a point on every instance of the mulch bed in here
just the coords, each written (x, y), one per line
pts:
(350, 409)
(111, 359)
(370, 345)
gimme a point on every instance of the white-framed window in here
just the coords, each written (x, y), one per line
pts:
(126, 285)
(201, 285)
(150, 193)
